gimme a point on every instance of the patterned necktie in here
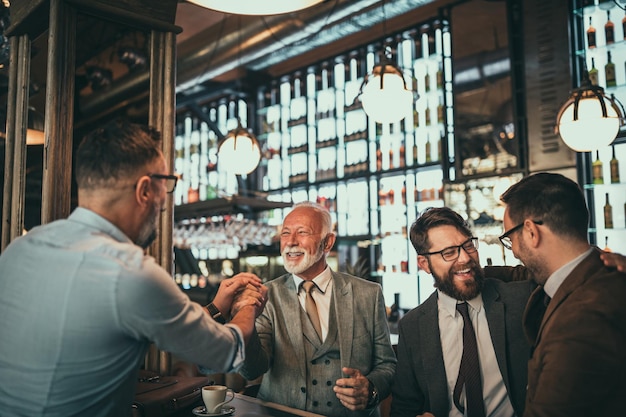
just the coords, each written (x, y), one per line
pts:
(311, 307)
(469, 371)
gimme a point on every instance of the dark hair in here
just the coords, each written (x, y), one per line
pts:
(114, 151)
(433, 217)
(552, 198)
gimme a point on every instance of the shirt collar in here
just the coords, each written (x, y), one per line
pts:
(92, 219)
(322, 280)
(449, 304)
(555, 280)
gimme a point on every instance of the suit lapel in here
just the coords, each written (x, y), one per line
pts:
(587, 268)
(290, 307)
(343, 297)
(494, 311)
(431, 351)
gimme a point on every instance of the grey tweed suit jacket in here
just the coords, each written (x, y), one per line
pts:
(277, 347)
(420, 384)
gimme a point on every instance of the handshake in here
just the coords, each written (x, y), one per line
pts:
(244, 290)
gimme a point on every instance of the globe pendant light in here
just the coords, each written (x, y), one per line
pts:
(589, 119)
(239, 152)
(256, 7)
(384, 95)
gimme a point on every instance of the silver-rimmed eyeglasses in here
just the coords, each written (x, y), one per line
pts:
(452, 253)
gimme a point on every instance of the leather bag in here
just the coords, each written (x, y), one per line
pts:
(160, 396)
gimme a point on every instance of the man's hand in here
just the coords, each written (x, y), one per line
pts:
(353, 392)
(615, 260)
(229, 288)
(250, 296)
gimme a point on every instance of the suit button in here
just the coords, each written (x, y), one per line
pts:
(327, 362)
(329, 404)
(303, 389)
(329, 383)
(314, 382)
(315, 403)
(313, 362)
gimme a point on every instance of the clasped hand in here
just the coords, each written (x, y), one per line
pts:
(242, 290)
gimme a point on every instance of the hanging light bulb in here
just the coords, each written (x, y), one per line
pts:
(589, 119)
(384, 95)
(239, 152)
(256, 7)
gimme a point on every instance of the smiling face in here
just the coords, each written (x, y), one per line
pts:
(462, 278)
(304, 243)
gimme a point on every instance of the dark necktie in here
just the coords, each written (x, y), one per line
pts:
(469, 371)
(311, 307)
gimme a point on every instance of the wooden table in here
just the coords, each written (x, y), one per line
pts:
(252, 407)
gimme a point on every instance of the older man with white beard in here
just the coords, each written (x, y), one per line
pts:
(330, 355)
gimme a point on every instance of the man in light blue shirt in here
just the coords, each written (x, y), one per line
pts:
(80, 302)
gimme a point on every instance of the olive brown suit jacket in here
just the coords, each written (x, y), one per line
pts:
(578, 367)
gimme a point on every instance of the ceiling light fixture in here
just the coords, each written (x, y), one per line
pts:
(383, 93)
(239, 152)
(589, 119)
(256, 7)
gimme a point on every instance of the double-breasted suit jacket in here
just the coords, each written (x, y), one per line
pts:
(277, 348)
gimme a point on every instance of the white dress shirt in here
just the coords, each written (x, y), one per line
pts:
(497, 402)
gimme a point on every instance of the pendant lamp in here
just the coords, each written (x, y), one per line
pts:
(383, 93)
(589, 119)
(256, 7)
(239, 152)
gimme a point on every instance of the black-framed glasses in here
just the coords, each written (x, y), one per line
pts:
(505, 238)
(452, 253)
(170, 181)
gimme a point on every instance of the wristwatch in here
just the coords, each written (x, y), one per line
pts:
(216, 313)
(373, 397)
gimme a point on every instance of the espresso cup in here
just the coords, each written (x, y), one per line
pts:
(214, 397)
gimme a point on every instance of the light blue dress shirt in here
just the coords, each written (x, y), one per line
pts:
(79, 305)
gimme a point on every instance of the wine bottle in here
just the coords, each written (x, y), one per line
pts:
(415, 154)
(591, 35)
(624, 25)
(608, 213)
(609, 71)
(596, 168)
(593, 73)
(428, 150)
(614, 167)
(609, 29)
(427, 81)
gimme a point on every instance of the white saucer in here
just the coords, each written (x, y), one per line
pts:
(201, 411)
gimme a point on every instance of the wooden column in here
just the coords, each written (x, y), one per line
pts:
(162, 116)
(15, 146)
(59, 117)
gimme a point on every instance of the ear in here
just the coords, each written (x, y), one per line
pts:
(422, 263)
(533, 232)
(143, 190)
(329, 242)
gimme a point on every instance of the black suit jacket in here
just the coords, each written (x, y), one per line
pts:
(420, 382)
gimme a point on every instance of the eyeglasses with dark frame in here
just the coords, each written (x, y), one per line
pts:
(170, 181)
(505, 238)
(452, 253)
